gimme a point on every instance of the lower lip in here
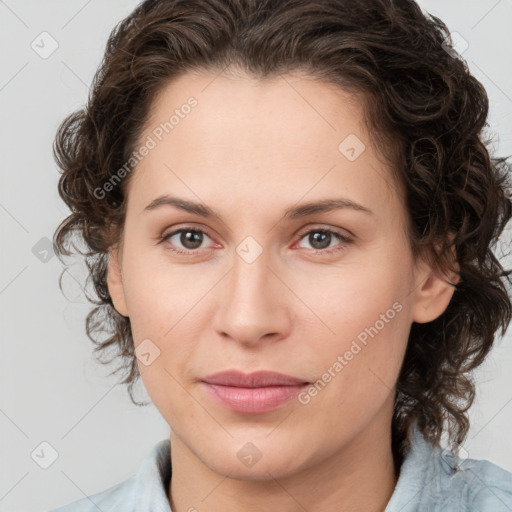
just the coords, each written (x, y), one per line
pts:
(253, 400)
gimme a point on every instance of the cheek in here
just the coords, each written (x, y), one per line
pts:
(163, 302)
(368, 326)
(158, 294)
(352, 299)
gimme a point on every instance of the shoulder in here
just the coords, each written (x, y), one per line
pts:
(485, 486)
(435, 479)
(472, 485)
(144, 491)
(114, 498)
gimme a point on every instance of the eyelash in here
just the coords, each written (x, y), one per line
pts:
(193, 252)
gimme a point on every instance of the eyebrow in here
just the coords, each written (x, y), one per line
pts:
(294, 212)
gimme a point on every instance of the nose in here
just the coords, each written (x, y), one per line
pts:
(254, 303)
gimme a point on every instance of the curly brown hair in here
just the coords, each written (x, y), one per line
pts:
(424, 108)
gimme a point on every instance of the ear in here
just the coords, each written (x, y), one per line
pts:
(115, 281)
(433, 291)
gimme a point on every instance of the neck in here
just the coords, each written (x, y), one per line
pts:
(360, 476)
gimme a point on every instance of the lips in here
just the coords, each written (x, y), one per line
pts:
(253, 393)
(252, 380)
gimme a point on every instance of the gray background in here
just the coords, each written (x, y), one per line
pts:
(50, 387)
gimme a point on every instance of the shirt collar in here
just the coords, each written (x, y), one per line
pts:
(419, 468)
(152, 480)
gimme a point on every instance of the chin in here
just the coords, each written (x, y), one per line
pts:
(246, 462)
(261, 471)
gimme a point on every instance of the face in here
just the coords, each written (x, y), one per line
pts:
(326, 296)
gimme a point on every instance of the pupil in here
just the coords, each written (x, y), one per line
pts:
(188, 241)
(323, 237)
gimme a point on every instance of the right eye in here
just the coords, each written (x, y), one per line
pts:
(189, 238)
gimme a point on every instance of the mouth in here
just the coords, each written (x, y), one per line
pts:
(253, 393)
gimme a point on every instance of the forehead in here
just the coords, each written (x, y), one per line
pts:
(243, 112)
(288, 136)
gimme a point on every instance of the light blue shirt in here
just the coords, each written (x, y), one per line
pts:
(431, 480)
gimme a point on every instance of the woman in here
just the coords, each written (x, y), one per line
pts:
(289, 213)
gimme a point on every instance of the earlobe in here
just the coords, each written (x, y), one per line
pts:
(115, 282)
(433, 294)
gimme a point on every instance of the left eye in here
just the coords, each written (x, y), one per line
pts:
(191, 240)
(322, 239)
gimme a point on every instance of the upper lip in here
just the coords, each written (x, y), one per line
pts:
(252, 380)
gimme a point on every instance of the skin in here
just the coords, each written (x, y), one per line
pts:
(249, 150)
